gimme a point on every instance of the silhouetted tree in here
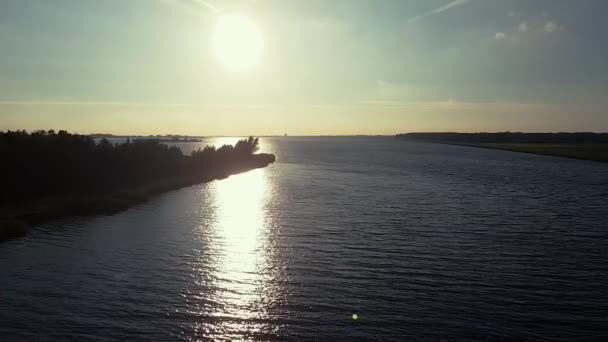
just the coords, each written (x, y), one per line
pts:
(45, 163)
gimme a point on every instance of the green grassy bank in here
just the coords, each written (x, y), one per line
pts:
(596, 152)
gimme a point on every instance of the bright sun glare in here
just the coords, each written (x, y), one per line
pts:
(237, 42)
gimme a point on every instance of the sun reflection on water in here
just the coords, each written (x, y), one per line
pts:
(240, 220)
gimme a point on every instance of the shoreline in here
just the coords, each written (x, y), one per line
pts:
(591, 152)
(18, 221)
(575, 145)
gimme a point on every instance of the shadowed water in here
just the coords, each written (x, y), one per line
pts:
(423, 241)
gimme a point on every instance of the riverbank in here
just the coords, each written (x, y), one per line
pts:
(17, 221)
(595, 152)
(583, 145)
(48, 175)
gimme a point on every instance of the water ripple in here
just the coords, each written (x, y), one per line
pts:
(424, 242)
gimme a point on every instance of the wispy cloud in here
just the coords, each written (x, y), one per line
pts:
(450, 5)
(551, 27)
(198, 7)
(523, 27)
(211, 7)
(87, 103)
(500, 36)
(186, 6)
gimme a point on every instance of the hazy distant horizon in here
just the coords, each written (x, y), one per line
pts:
(288, 135)
(228, 67)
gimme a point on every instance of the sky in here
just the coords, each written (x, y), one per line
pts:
(326, 68)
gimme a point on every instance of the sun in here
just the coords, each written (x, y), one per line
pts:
(237, 42)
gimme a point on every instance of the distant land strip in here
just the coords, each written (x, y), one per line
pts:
(581, 145)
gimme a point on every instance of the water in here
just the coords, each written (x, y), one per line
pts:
(423, 241)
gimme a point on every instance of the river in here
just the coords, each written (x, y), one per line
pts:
(422, 241)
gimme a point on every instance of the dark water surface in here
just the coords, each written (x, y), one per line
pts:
(425, 242)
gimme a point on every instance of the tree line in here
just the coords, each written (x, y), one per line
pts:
(49, 163)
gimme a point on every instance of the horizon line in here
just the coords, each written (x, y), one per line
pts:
(286, 135)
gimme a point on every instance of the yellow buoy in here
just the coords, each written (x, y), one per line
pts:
(355, 317)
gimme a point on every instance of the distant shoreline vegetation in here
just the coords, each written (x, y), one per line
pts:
(48, 175)
(172, 140)
(582, 145)
(162, 138)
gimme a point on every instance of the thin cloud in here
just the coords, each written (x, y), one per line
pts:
(523, 27)
(198, 7)
(208, 5)
(450, 5)
(87, 103)
(211, 7)
(551, 27)
(186, 7)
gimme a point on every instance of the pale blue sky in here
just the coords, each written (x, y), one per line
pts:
(328, 67)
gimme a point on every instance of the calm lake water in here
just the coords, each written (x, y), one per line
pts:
(423, 241)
